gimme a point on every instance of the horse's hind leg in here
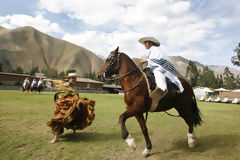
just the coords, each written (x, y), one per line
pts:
(143, 126)
(189, 119)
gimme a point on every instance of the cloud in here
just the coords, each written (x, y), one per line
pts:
(38, 22)
(172, 22)
(103, 43)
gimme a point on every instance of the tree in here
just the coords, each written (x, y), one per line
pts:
(192, 73)
(229, 80)
(219, 81)
(236, 59)
(19, 70)
(237, 81)
(52, 73)
(62, 75)
(34, 70)
(207, 78)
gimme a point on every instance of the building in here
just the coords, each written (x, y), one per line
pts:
(18, 79)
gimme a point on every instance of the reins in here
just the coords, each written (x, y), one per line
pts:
(171, 114)
(134, 86)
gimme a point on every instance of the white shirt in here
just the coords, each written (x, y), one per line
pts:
(158, 60)
(40, 82)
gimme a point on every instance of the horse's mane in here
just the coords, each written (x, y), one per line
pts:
(130, 59)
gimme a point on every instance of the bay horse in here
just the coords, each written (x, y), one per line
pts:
(34, 88)
(40, 87)
(136, 97)
(27, 87)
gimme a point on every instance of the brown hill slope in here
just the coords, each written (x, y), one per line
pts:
(28, 47)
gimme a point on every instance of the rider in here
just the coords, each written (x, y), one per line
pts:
(26, 81)
(33, 82)
(39, 82)
(161, 65)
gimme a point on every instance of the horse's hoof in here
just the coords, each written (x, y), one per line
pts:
(192, 142)
(131, 142)
(133, 145)
(146, 152)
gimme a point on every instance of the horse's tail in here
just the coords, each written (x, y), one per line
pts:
(196, 112)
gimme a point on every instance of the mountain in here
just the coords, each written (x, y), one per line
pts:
(27, 47)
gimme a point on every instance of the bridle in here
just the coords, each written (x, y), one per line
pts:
(112, 60)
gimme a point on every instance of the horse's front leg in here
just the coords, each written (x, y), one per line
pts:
(143, 126)
(125, 135)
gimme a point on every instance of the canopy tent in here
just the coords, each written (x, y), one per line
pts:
(221, 90)
(236, 90)
(207, 90)
(201, 91)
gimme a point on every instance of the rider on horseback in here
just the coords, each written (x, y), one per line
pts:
(26, 81)
(161, 66)
(40, 81)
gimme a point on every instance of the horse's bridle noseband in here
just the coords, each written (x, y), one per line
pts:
(112, 60)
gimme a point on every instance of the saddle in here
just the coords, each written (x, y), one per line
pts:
(171, 87)
(155, 93)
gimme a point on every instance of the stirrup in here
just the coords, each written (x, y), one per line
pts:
(157, 94)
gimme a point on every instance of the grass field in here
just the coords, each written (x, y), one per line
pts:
(25, 135)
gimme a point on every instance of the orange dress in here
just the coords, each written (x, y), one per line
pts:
(72, 112)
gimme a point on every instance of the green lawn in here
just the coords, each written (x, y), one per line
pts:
(25, 135)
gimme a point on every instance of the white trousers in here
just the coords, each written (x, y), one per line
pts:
(24, 85)
(160, 79)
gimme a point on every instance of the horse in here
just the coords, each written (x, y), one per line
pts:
(138, 102)
(40, 87)
(34, 87)
(27, 87)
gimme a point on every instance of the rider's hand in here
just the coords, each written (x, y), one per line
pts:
(142, 62)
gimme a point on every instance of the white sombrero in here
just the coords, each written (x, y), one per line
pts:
(72, 75)
(152, 39)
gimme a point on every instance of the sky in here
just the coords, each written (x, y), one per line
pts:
(206, 31)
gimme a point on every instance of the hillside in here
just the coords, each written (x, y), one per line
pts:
(181, 65)
(28, 47)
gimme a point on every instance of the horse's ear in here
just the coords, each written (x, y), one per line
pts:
(116, 50)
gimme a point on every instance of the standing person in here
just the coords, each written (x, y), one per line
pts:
(72, 112)
(161, 66)
(26, 81)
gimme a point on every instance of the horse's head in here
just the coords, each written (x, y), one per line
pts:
(111, 65)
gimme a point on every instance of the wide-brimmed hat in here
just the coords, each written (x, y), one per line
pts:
(151, 39)
(72, 75)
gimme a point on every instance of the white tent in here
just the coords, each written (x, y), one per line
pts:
(236, 90)
(201, 91)
(207, 90)
(221, 90)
